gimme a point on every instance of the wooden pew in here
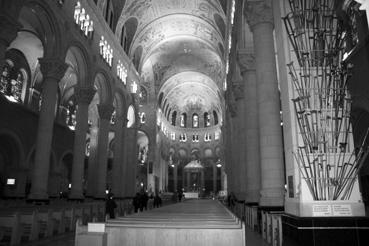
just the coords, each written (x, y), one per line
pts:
(46, 223)
(10, 228)
(29, 225)
(58, 221)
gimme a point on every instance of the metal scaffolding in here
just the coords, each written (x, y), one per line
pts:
(326, 158)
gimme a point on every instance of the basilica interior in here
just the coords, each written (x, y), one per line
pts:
(262, 105)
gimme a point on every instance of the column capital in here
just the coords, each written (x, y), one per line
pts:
(258, 11)
(246, 61)
(105, 111)
(53, 68)
(238, 90)
(84, 95)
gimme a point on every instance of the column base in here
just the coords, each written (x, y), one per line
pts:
(76, 197)
(306, 231)
(38, 198)
(252, 196)
(272, 198)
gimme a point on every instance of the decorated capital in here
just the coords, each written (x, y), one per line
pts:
(258, 12)
(53, 68)
(105, 111)
(84, 95)
(246, 61)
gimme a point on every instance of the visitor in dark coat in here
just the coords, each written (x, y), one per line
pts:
(110, 206)
(136, 202)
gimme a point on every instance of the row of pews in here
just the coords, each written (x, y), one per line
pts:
(30, 223)
(193, 222)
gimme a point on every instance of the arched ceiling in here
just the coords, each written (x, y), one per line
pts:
(189, 91)
(182, 43)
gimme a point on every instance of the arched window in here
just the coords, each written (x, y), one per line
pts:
(206, 119)
(168, 115)
(160, 98)
(71, 114)
(215, 117)
(12, 83)
(174, 117)
(123, 39)
(183, 120)
(195, 120)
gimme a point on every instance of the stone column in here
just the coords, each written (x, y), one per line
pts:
(105, 112)
(246, 61)
(92, 160)
(183, 178)
(117, 186)
(188, 180)
(84, 96)
(259, 15)
(52, 70)
(8, 31)
(202, 180)
(131, 162)
(175, 177)
(239, 137)
(214, 178)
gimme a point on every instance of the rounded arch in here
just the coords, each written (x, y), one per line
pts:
(126, 31)
(79, 59)
(11, 150)
(120, 103)
(102, 83)
(40, 18)
(220, 24)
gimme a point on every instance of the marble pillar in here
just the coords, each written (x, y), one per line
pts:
(105, 112)
(259, 15)
(92, 160)
(175, 178)
(188, 180)
(131, 162)
(202, 184)
(117, 186)
(246, 60)
(52, 70)
(84, 96)
(214, 178)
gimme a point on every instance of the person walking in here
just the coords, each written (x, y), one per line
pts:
(110, 206)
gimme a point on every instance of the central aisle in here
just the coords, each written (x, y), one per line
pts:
(193, 222)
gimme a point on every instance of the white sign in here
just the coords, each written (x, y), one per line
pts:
(321, 210)
(342, 210)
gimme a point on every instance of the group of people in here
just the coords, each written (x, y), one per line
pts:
(140, 201)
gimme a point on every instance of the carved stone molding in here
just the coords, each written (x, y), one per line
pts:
(259, 12)
(53, 68)
(84, 95)
(105, 111)
(246, 61)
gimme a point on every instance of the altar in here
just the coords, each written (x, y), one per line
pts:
(191, 195)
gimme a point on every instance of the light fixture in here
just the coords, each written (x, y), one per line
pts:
(219, 164)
